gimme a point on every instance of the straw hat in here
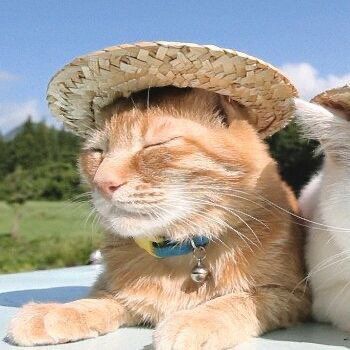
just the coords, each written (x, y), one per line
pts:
(338, 98)
(78, 92)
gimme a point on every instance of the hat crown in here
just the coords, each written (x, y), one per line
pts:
(79, 91)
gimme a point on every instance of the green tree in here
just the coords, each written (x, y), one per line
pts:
(47, 155)
(18, 188)
(56, 181)
(295, 156)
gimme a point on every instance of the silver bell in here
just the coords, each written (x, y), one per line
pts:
(199, 274)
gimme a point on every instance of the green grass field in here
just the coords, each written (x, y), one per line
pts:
(52, 234)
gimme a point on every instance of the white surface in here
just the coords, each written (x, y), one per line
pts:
(72, 283)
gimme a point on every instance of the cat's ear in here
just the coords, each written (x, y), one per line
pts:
(316, 121)
(233, 110)
(324, 125)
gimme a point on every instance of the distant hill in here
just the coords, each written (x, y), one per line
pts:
(10, 135)
(49, 122)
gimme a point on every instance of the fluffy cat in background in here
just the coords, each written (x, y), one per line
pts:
(180, 164)
(326, 202)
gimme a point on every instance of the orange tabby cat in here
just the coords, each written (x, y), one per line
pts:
(181, 164)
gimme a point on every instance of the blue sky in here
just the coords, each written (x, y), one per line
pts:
(309, 40)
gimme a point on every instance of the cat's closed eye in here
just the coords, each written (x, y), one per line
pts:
(161, 142)
(96, 150)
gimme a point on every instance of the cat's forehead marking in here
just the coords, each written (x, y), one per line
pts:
(127, 142)
(159, 127)
(122, 133)
(133, 132)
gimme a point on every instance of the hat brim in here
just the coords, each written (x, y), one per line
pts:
(338, 98)
(78, 92)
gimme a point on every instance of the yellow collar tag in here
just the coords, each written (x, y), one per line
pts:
(147, 244)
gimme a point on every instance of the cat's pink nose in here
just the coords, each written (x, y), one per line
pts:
(109, 177)
(107, 187)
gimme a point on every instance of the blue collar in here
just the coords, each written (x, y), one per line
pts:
(167, 248)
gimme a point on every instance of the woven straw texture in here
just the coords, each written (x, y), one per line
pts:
(338, 98)
(78, 92)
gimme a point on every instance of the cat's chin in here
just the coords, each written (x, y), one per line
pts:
(135, 221)
(127, 223)
(135, 226)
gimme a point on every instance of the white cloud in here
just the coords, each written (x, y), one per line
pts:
(309, 81)
(7, 76)
(14, 114)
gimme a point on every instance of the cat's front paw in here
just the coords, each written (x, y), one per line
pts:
(190, 331)
(38, 324)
